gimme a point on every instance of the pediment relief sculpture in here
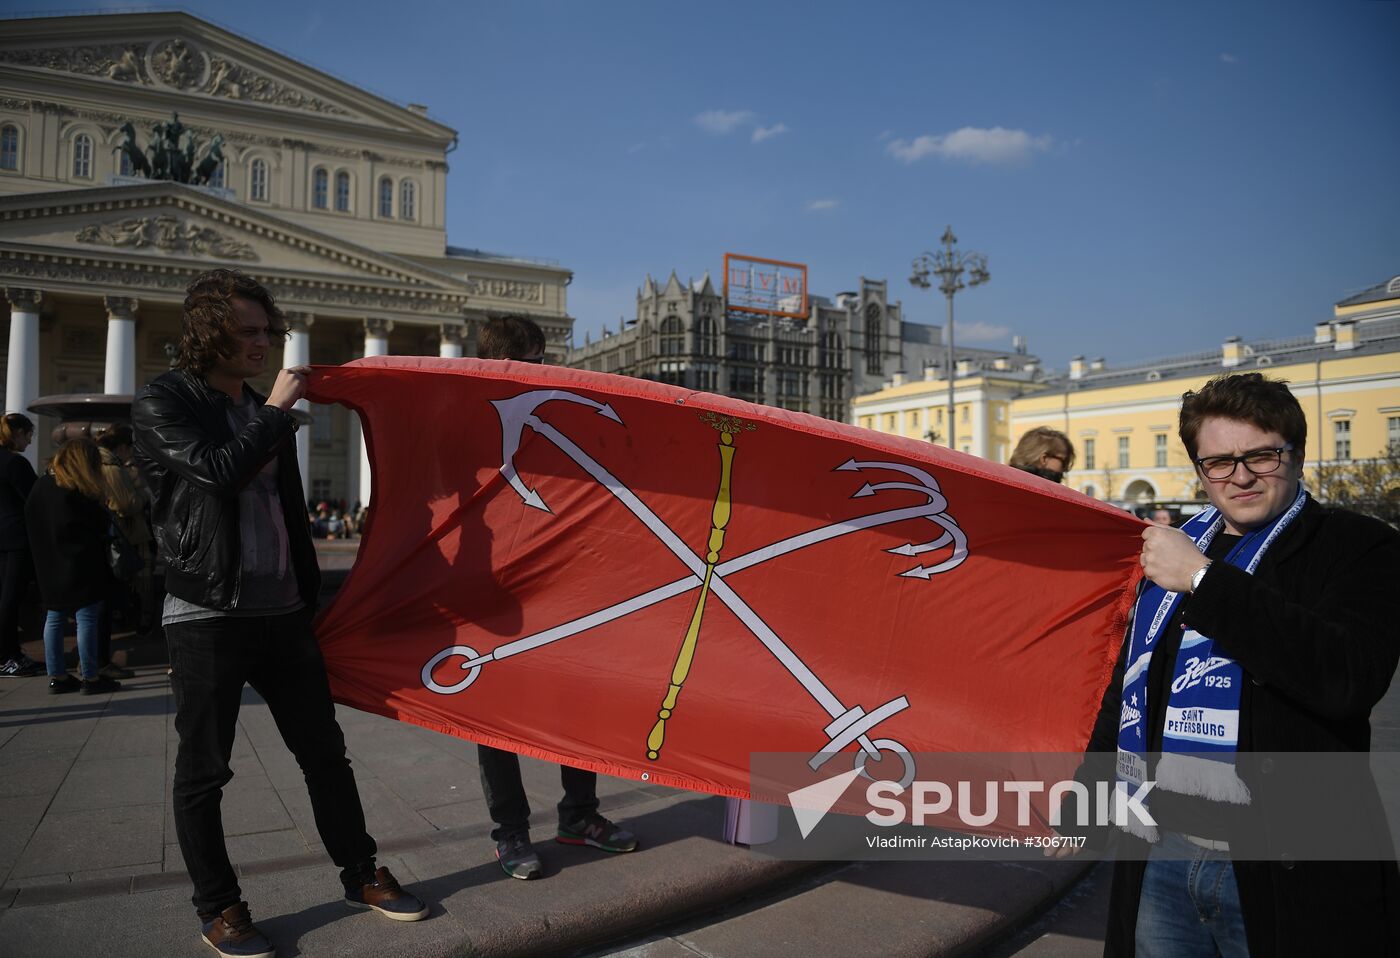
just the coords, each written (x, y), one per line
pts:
(237, 82)
(168, 233)
(173, 62)
(113, 61)
(178, 64)
(513, 289)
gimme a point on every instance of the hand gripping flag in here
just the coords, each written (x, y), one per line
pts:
(654, 583)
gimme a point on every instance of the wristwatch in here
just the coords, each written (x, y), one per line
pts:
(1198, 575)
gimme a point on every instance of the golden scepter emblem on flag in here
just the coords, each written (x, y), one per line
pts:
(727, 427)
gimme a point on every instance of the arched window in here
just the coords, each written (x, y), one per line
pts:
(342, 192)
(320, 187)
(408, 200)
(386, 198)
(257, 181)
(216, 178)
(82, 157)
(123, 164)
(672, 336)
(9, 147)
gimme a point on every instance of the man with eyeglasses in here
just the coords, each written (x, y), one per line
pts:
(242, 581)
(1266, 624)
(520, 338)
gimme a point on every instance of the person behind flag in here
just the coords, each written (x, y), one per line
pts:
(1266, 624)
(16, 565)
(520, 338)
(1044, 452)
(242, 583)
(68, 527)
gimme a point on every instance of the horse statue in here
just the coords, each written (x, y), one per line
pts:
(171, 153)
(139, 164)
(212, 158)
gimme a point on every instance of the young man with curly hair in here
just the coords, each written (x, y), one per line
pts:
(242, 582)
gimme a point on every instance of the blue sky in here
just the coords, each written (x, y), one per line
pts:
(1144, 178)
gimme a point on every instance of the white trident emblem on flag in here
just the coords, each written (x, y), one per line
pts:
(849, 724)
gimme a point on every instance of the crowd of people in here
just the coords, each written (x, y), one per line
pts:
(1287, 600)
(81, 533)
(331, 520)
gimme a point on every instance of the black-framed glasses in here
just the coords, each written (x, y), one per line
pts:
(1260, 462)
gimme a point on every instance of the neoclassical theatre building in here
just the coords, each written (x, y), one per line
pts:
(332, 196)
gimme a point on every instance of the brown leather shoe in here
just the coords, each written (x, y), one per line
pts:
(386, 897)
(232, 933)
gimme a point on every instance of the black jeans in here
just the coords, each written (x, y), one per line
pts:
(279, 657)
(16, 572)
(505, 793)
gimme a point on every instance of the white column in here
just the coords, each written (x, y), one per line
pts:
(450, 346)
(979, 424)
(376, 344)
(120, 378)
(298, 353)
(22, 370)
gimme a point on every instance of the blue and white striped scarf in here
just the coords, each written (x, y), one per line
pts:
(1201, 731)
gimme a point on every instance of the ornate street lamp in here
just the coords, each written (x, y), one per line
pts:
(949, 265)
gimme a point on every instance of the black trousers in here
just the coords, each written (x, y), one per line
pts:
(16, 572)
(505, 792)
(212, 659)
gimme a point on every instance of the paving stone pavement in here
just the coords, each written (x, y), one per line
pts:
(90, 863)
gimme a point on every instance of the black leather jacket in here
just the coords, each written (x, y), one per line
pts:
(195, 465)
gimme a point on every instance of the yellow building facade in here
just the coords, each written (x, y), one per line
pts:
(1122, 421)
(982, 416)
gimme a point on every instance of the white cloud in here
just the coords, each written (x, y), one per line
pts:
(1229, 58)
(979, 332)
(818, 206)
(971, 144)
(768, 132)
(884, 135)
(636, 148)
(723, 122)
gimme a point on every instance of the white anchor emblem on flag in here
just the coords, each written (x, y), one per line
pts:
(705, 572)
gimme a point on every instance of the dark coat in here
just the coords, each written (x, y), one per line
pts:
(1316, 631)
(68, 535)
(16, 479)
(194, 466)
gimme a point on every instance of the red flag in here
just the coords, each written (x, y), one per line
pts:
(654, 583)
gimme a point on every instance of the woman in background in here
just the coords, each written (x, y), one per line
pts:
(16, 566)
(1044, 452)
(68, 531)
